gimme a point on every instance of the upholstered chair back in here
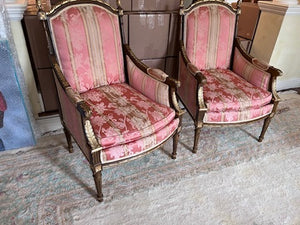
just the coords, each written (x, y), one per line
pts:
(208, 36)
(79, 33)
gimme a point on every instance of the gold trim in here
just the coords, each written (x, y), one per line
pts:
(65, 4)
(90, 135)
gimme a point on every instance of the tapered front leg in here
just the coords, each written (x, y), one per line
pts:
(264, 129)
(175, 144)
(69, 140)
(196, 139)
(98, 183)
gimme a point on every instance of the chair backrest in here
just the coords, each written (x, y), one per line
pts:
(209, 30)
(87, 40)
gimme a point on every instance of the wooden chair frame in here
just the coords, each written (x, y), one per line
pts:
(201, 80)
(87, 141)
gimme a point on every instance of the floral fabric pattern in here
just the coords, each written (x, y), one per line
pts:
(123, 118)
(230, 98)
(249, 72)
(209, 32)
(79, 34)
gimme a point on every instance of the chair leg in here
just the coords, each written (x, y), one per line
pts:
(175, 143)
(98, 183)
(264, 129)
(69, 140)
(196, 138)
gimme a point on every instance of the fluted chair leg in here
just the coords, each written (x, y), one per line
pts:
(264, 129)
(196, 139)
(98, 183)
(69, 140)
(175, 144)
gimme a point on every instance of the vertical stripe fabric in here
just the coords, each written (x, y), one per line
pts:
(249, 72)
(144, 83)
(209, 33)
(88, 46)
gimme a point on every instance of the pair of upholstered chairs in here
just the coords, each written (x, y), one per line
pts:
(116, 108)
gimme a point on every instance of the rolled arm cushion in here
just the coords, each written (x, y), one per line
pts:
(253, 73)
(230, 98)
(78, 33)
(146, 84)
(126, 122)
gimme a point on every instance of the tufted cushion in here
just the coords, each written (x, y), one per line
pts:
(230, 98)
(209, 31)
(254, 74)
(121, 115)
(79, 33)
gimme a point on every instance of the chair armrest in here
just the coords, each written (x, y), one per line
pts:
(153, 83)
(253, 70)
(193, 81)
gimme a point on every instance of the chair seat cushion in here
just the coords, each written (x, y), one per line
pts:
(122, 115)
(230, 98)
(139, 146)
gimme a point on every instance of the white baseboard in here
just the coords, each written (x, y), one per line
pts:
(287, 84)
(48, 126)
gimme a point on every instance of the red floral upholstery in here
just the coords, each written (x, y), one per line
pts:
(209, 36)
(79, 33)
(126, 122)
(230, 98)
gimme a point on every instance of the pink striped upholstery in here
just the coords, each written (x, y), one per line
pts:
(150, 87)
(79, 33)
(249, 72)
(230, 98)
(209, 31)
(126, 122)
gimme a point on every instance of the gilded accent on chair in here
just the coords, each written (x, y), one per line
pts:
(79, 32)
(139, 146)
(121, 115)
(152, 88)
(250, 72)
(209, 36)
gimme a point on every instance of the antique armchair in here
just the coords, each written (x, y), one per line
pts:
(220, 83)
(114, 106)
